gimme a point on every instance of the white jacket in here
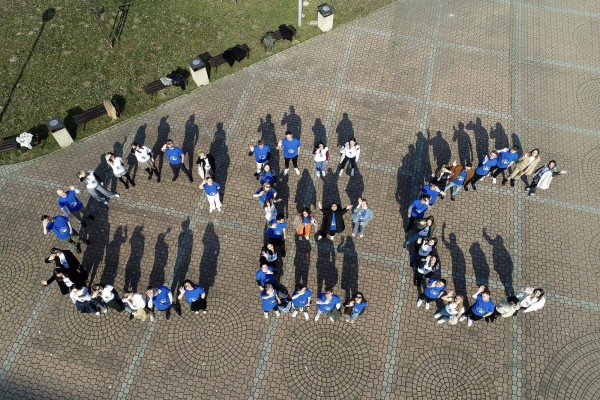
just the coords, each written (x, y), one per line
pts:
(533, 307)
(350, 152)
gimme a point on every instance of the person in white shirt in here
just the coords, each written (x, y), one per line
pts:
(118, 168)
(135, 304)
(350, 152)
(108, 297)
(452, 310)
(93, 186)
(321, 155)
(145, 159)
(80, 296)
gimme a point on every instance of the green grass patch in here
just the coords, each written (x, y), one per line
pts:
(64, 65)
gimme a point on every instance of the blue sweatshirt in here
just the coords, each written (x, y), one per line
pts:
(481, 307)
(418, 209)
(262, 155)
(270, 302)
(290, 147)
(194, 294)
(265, 278)
(174, 155)
(71, 202)
(302, 300)
(426, 189)
(435, 291)
(485, 164)
(161, 301)
(60, 227)
(506, 157)
(326, 308)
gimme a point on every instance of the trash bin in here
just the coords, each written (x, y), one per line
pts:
(199, 73)
(59, 132)
(325, 17)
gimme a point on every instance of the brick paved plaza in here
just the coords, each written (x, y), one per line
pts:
(411, 82)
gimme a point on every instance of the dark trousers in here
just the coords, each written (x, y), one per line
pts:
(294, 161)
(495, 171)
(125, 179)
(411, 223)
(352, 161)
(198, 305)
(418, 278)
(85, 307)
(180, 167)
(472, 316)
(474, 179)
(426, 299)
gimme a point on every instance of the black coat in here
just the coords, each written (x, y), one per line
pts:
(211, 161)
(71, 260)
(339, 219)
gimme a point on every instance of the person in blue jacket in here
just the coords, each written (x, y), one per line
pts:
(434, 289)
(63, 230)
(483, 169)
(291, 149)
(417, 209)
(301, 301)
(506, 158)
(354, 307)
(194, 295)
(69, 204)
(262, 153)
(176, 160)
(161, 298)
(328, 304)
(483, 306)
(270, 300)
(433, 191)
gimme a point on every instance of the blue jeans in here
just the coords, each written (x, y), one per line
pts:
(320, 165)
(445, 315)
(356, 227)
(455, 186)
(413, 238)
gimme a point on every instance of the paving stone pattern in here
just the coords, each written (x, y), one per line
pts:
(419, 82)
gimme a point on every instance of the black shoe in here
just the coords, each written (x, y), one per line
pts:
(452, 197)
(256, 174)
(504, 182)
(126, 186)
(133, 183)
(474, 187)
(512, 183)
(149, 176)
(91, 217)
(466, 188)
(130, 317)
(191, 180)
(173, 179)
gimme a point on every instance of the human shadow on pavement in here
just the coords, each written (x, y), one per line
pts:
(500, 137)
(220, 151)
(404, 183)
(163, 130)
(459, 263)
(482, 139)
(345, 132)
(349, 266)
(113, 254)
(185, 243)
(320, 133)
(464, 144)
(161, 255)
(480, 264)
(503, 264)
(441, 148)
(293, 122)
(97, 232)
(133, 268)
(190, 139)
(210, 257)
(331, 192)
(139, 138)
(355, 188)
(306, 194)
(302, 261)
(327, 273)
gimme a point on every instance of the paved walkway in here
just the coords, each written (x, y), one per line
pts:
(415, 82)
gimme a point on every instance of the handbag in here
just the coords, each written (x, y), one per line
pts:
(453, 320)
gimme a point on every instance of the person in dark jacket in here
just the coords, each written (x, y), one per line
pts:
(66, 279)
(206, 165)
(333, 220)
(65, 259)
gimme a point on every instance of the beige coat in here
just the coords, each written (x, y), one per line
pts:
(527, 169)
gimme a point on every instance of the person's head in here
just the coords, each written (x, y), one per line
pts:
(45, 218)
(535, 152)
(209, 180)
(270, 246)
(306, 212)
(486, 295)
(170, 143)
(359, 297)
(433, 260)
(439, 283)
(353, 142)
(110, 156)
(552, 164)
(425, 199)
(364, 204)
(538, 293)
(58, 272)
(328, 293)
(266, 167)
(469, 166)
(97, 288)
(82, 174)
(280, 217)
(260, 143)
(493, 154)
(300, 288)
(188, 285)
(266, 186)
(269, 287)
(268, 203)
(320, 146)
(514, 149)
(61, 193)
(153, 290)
(334, 207)
(432, 242)
(288, 135)
(458, 300)
(135, 146)
(55, 251)
(264, 268)
(433, 186)
(202, 155)
(430, 221)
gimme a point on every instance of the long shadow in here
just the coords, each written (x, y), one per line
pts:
(210, 257)
(503, 264)
(220, 151)
(302, 261)
(355, 188)
(422, 149)
(46, 17)
(516, 141)
(480, 264)
(327, 273)
(139, 138)
(190, 139)
(331, 192)
(97, 232)
(185, 242)
(404, 184)
(344, 130)
(161, 255)
(441, 148)
(293, 122)
(320, 132)
(133, 268)
(163, 130)
(266, 128)
(306, 194)
(500, 137)
(283, 195)
(459, 263)
(113, 253)
(464, 144)
(118, 147)
(349, 266)
(482, 138)
(119, 22)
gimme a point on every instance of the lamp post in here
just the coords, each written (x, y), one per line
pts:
(299, 13)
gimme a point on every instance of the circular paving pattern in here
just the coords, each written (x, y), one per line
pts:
(208, 345)
(573, 372)
(17, 274)
(586, 36)
(326, 361)
(588, 163)
(451, 373)
(89, 329)
(588, 97)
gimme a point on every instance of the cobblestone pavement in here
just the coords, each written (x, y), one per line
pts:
(414, 82)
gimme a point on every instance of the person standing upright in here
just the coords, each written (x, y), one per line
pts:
(93, 186)
(211, 189)
(301, 300)
(416, 210)
(176, 160)
(291, 149)
(145, 159)
(526, 165)
(277, 233)
(69, 204)
(118, 168)
(350, 153)
(543, 177)
(328, 304)
(459, 174)
(63, 230)
(506, 158)
(262, 154)
(483, 306)
(485, 164)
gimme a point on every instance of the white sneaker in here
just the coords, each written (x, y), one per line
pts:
(331, 319)
(323, 173)
(341, 173)
(306, 317)
(152, 318)
(204, 312)
(462, 318)
(277, 314)
(97, 313)
(361, 235)
(352, 172)
(285, 172)
(196, 312)
(266, 315)
(437, 315)
(469, 322)
(105, 202)
(319, 237)
(218, 209)
(297, 171)
(317, 316)
(117, 195)
(210, 211)
(419, 302)
(427, 306)
(441, 321)
(494, 181)
(294, 314)
(318, 173)
(105, 311)
(354, 235)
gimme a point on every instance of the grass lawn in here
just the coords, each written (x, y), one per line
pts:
(64, 65)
